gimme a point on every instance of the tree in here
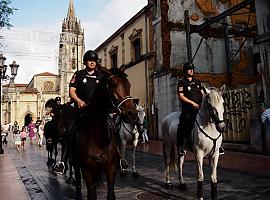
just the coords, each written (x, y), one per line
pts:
(5, 12)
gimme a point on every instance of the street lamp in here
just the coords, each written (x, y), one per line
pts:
(3, 76)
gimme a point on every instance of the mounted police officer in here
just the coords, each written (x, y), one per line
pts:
(190, 93)
(84, 82)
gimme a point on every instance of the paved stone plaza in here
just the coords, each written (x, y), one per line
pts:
(41, 184)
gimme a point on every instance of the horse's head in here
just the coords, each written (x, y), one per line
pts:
(214, 104)
(140, 119)
(119, 93)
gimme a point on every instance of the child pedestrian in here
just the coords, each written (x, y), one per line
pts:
(18, 141)
(23, 135)
(40, 133)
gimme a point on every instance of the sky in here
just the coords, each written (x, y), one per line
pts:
(34, 38)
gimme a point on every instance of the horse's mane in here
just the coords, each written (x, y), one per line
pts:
(215, 94)
(113, 71)
(50, 103)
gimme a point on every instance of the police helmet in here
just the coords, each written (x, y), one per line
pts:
(57, 99)
(188, 66)
(90, 56)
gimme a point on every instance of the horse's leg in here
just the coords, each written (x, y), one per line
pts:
(89, 178)
(71, 180)
(213, 165)
(167, 146)
(55, 151)
(123, 149)
(135, 143)
(182, 185)
(110, 175)
(77, 172)
(200, 176)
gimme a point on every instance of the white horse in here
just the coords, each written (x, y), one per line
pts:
(207, 138)
(130, 133)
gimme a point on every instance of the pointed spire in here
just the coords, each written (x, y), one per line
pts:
(71, 23)
(71, 10)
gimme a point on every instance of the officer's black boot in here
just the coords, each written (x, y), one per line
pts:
(180, 140)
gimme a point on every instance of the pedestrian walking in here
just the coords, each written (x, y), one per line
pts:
(40, 133)
(18, 141)
(32, 130)
(145, 127)
(15, 129)
(4, 132)
(23, 135)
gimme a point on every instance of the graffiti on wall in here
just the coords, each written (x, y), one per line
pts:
(238, 104)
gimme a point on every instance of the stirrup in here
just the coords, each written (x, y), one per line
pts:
(221, 151)
(182, 152)
(57, 167)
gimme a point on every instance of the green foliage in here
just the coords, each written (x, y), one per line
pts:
(5, 12)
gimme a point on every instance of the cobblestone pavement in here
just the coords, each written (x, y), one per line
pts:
(41, 184)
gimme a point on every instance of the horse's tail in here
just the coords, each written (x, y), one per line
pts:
(172, 160)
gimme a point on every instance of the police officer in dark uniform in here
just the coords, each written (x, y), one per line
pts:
(84, 82)
(57, 100)
(81, 88)
(190, 93)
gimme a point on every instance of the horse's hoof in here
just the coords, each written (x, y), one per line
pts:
(123, 173)
(135, 174)
(168, 185)
(182, 187)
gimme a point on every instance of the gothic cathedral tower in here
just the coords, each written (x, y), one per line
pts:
(71, 48)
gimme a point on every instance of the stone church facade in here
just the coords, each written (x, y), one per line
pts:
(26, 102)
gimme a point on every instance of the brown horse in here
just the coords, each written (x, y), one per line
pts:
(96, 146)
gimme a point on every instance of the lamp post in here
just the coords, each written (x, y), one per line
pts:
(3, 76)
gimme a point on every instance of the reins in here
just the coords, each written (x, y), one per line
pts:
(98, 158)
(122, 123)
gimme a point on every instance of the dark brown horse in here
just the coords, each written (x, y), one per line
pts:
(96, 148)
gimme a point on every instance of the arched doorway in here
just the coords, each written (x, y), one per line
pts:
(27, 119)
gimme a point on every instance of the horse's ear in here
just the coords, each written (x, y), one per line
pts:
(222, 89)
(122, 68)
(205, 90)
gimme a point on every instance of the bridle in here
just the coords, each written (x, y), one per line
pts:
(213, 113)
(214, 116)
(116, 105)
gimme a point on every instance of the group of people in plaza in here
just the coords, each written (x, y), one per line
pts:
(32, 130)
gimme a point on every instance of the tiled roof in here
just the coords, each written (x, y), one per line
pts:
(45, 74)
(31, 90)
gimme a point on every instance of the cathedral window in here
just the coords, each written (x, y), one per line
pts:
(48, 86)
(73, 65)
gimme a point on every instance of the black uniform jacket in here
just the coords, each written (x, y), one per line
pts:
(85, 84)
(191, 90)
